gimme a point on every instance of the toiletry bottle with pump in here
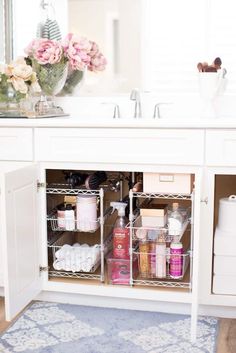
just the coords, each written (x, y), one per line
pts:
(120, 232)
(175, 220)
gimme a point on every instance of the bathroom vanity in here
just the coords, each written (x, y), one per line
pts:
(33, 154)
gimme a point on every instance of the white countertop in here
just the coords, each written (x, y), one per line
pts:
(73, 121)
(93, 113)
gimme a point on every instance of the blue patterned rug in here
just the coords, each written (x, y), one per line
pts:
(66, 328)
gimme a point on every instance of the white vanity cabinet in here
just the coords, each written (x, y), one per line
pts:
(160, 150)
(25, 233)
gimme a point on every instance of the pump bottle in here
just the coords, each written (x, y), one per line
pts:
(120, 232)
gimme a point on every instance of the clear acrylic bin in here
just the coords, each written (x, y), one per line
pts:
(119, 270)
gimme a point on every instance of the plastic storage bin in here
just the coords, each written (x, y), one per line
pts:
(119, 270)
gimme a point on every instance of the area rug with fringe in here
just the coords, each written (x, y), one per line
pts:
(65, 328)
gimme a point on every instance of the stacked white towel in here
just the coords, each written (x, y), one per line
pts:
(76, 258)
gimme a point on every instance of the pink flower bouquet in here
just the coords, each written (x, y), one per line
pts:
(48, 60)
(51, 58)
(82, 55)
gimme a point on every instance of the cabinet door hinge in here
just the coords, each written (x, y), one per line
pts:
(43, 268)
(41, 185)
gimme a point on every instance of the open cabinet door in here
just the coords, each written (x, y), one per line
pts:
(22, 280)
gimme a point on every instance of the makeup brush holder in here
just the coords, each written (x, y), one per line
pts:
(211, 85)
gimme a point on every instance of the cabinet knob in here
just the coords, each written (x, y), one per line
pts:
(205, 200)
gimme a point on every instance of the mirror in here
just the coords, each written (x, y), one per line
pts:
(107, 22)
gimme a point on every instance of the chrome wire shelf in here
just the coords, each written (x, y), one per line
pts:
(67, 191)
(155, 283)
(162, 196)
(63, 274)
(86, 226)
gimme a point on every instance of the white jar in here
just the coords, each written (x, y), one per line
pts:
(86, 210)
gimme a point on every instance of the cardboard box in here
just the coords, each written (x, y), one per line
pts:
(152, 221)
(155, 210)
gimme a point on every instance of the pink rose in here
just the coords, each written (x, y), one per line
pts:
(33, 45)
(97, 62)
(76, 50)
(45, 51)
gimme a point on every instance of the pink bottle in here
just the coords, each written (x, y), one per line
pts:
(176, 260)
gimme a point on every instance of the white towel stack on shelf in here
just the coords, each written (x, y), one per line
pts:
(76, 257)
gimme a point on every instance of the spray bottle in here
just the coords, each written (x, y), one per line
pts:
(120, 232)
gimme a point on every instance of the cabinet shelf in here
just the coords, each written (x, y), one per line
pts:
(86, 226)
(153, 195)
(137, 224)
(68, 259)
(64, 274)
(159, 283)
(63, 189)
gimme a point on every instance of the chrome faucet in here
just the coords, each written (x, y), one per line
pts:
(116, 111)
(157, 113)
(135, 96)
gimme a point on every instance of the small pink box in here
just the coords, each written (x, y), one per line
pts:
(167, 183)
(119, 270)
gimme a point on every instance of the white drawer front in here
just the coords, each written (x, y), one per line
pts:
(16, 144)
(183, 147)
(221, 148)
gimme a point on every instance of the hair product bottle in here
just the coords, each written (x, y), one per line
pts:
(175, 220)
(161, 256)
(61, 216)
(69, 218)
(152, 259)
(176, 259)
(144, 259)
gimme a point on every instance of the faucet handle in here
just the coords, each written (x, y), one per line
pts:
(135, 94)
(116, 112)
(157, 109)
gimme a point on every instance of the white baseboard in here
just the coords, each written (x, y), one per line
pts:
(132, 304)
(119, 303)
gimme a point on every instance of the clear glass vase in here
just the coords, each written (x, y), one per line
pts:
(75, 79)
(10, 99)
(51, 77)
